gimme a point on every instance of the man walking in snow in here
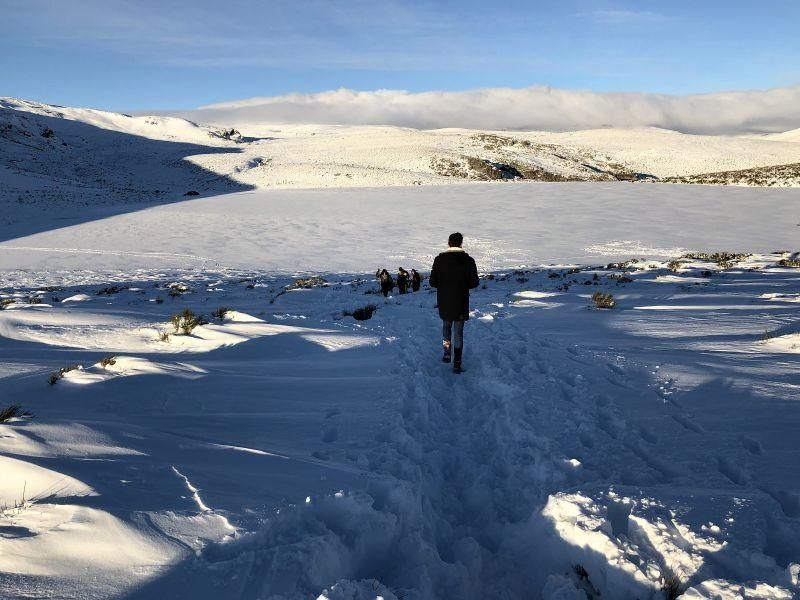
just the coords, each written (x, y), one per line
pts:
(453, 275)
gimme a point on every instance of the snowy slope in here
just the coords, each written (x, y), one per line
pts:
(114, 158)
(584, 453)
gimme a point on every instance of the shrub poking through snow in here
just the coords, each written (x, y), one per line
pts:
(6, 302)
(724, 260)
(768, 335)
(55, 376)
(306, 283)
(602, 300)
(186, 321)
(13, 412)
(177, 289)
(34, 300)
(789, 262)
(163, 335)
(361, 314)
(111, 290)
(220, 313)
(671, 585)
(108, 361)
(675, 265)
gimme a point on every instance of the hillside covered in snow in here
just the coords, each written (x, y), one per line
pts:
(60, 155)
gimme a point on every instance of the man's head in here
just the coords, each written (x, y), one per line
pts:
(455, 240)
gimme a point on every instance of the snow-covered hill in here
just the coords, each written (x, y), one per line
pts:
(66, 155)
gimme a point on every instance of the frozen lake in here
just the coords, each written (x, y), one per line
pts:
(356, 230)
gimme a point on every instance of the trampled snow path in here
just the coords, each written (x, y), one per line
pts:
(575, 437)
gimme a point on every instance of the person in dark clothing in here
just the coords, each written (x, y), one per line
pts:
(387, 283)
(416, 280)
(453, 275)
(402, 280)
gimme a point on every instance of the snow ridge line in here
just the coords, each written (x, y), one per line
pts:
(195, 492)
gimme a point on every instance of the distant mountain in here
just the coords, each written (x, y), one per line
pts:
(61, 155)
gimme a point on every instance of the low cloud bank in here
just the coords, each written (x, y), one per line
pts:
(534, 108)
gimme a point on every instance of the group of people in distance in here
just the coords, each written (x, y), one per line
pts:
(405, 281)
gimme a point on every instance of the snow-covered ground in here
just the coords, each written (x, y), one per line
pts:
(285, 450)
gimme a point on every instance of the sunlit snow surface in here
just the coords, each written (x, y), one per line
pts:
(357, 230)
(288, 451)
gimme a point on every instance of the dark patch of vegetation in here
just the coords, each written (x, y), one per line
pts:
(108, 361)
(185, 321)
(14, 411)
(361, 314)
(671, 585)
(47, 132)
(192, 193)
(772, 176)
(602, 300)
(6, 302)
(177, 289)
(55, 376)
(308, 282)
(220, 313)
(111, 290)
(675, 265)
(724, 260)
(789, 262)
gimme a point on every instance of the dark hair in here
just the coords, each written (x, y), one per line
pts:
(455, 240)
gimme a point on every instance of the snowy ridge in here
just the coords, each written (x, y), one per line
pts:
(54, 155)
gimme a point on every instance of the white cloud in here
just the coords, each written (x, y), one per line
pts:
(624, 17)
(534, 108)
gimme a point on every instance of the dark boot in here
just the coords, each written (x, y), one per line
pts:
(446, 355)
(457, 360)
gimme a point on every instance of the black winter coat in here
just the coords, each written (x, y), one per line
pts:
(453, 275)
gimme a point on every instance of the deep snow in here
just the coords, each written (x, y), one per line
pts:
(276, 454)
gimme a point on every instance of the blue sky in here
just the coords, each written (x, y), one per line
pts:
(139, 54)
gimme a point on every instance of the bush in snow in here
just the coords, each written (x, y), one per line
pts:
(177, 289)
(111, 290)
(55, 376)
(220, 313)
(602, 300)
(186, 321)
(675, 265)
(163, 335)
(309, 282)
(5, 302)
(725, 260)
(108, 361)
(671, 585)
(13, 412)
(789, 262)
(361, 314)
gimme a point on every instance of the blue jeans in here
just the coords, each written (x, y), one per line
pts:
(453, 330)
